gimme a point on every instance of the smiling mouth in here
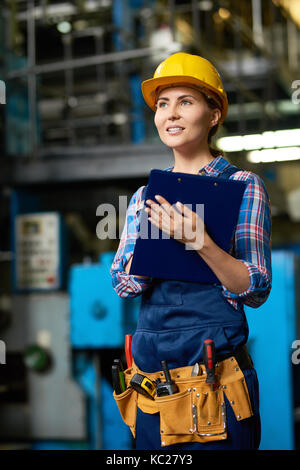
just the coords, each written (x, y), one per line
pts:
(175, 130)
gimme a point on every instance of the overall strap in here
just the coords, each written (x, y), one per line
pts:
(230, 170)
(144, 193)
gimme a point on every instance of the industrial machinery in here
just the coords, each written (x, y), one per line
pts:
(63, 329)
(99, 321)
(273, 330)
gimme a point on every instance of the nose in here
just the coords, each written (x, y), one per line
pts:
(173, 112)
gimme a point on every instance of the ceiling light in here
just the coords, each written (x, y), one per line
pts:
(252, 141)
(120, 119)
(266, 140)
(287, 138)
(64, 27)
(274, 155)
(224, 13)
(231, 144)
(205, 5)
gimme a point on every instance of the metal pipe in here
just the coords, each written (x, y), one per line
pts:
(69, 87)
(172, 6)
(99, 47)
(271, 90)
(7, 31)
(257, 28)
(196, 22)
(87, 61)
(292, 44)
(239, 72)
(31, 54)
(100, 70)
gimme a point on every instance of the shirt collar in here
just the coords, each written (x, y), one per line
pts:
(214, 168)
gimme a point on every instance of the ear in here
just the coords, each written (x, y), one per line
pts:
(215, 116)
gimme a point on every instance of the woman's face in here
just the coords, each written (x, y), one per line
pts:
(183, 118)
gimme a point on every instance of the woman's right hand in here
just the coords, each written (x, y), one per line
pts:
(127, 269)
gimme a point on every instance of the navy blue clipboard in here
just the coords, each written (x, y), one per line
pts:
(168, 258)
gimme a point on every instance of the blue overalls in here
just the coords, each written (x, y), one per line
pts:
(174, 320)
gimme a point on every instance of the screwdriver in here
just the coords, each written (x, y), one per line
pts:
(209, 359)
(128, 354)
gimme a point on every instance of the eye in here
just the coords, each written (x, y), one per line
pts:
(161, 104)
(184, 102)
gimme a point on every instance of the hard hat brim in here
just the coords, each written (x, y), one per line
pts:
(150, 86)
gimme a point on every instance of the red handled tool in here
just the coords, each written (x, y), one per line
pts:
(209, 359)
(128, 339)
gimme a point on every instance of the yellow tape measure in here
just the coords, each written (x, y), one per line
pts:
(143, 385)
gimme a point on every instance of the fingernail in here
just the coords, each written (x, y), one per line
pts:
(157, 197)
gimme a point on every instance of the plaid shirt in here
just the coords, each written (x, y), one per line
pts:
(251, 242)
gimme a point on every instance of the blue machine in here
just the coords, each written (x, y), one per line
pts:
(99, 320)
(273, 329)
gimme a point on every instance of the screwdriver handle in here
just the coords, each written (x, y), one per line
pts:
(209, 359)
(128, 340)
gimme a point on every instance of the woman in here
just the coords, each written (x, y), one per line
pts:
(189, 101)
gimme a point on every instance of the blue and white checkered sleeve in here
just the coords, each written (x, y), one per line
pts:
(124, 284)
(252, 243)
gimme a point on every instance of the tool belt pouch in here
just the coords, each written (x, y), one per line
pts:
(195, 413)
(127, 403)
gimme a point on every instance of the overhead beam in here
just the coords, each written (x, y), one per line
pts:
(67, 164)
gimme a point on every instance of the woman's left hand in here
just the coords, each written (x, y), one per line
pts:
(178, 221)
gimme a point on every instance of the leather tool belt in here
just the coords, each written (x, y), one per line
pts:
(194, 413)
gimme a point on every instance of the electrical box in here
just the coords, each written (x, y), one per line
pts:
(39, 262)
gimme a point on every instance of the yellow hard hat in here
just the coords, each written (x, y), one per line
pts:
(182, 68)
